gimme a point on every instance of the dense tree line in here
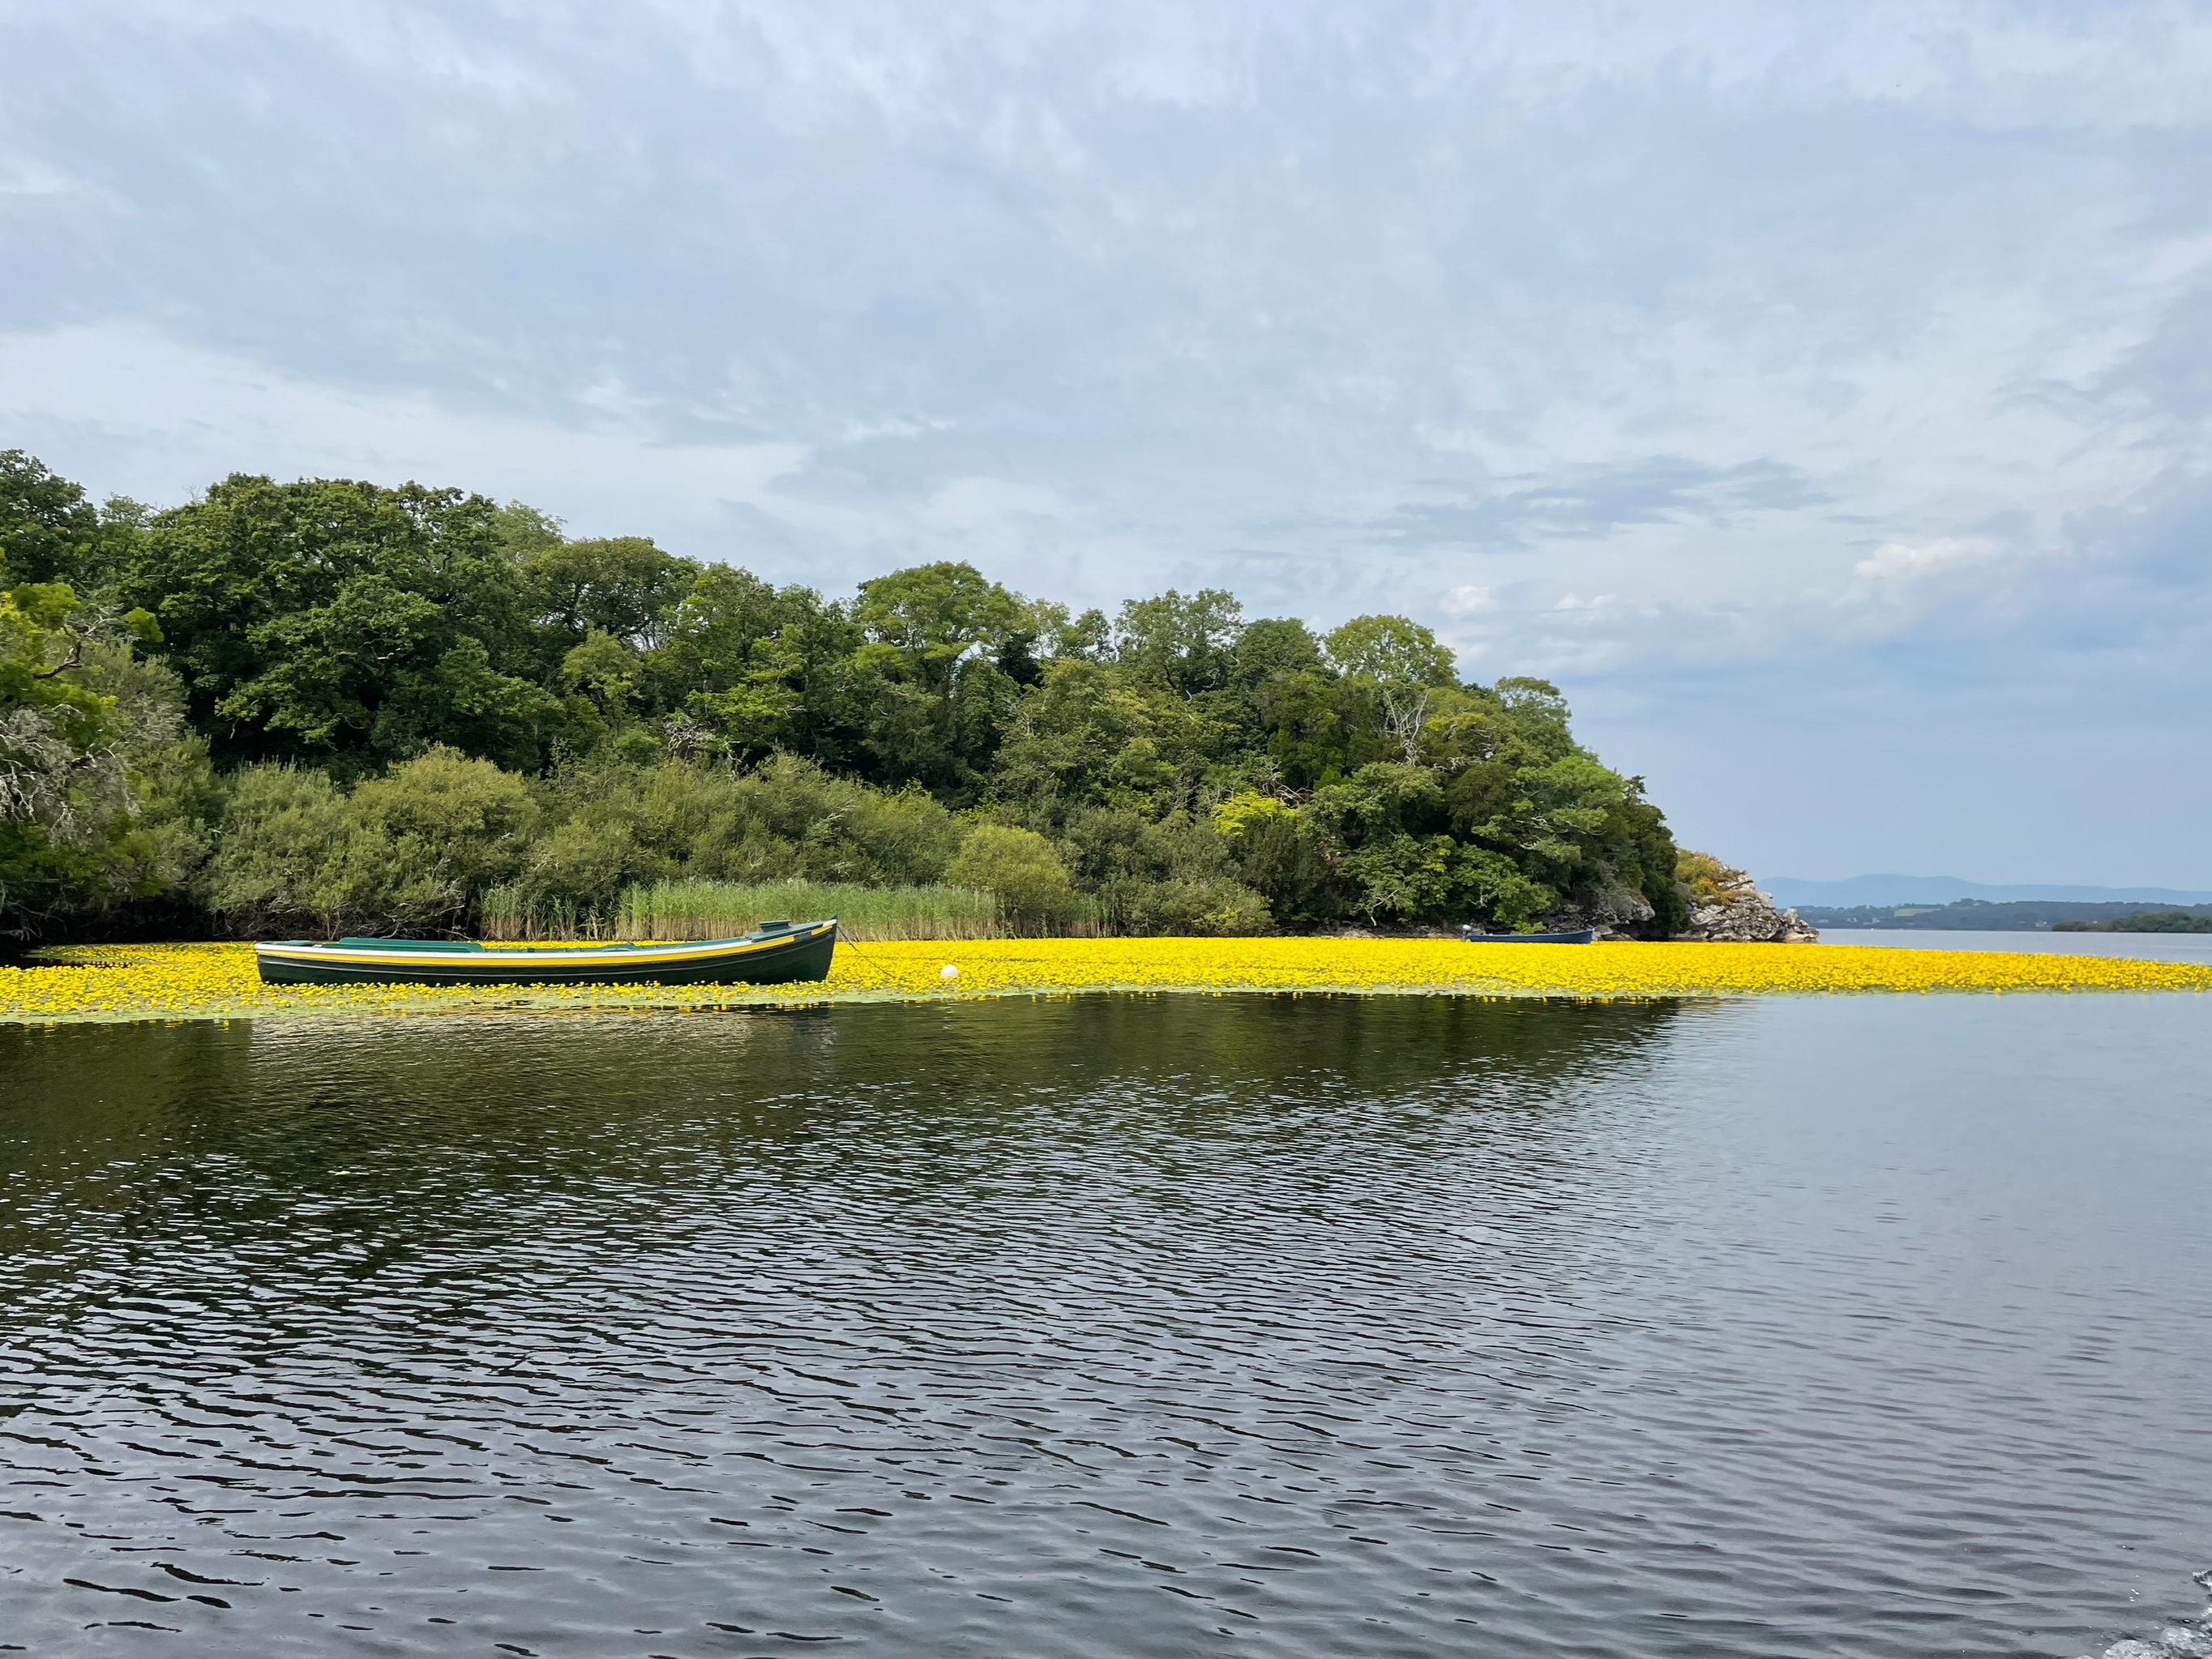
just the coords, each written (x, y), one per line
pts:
(2143, 921)
(329, 703)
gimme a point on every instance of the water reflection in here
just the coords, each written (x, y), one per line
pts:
(1099, 1327)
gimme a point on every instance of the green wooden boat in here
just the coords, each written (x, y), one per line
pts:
(1569, 936)
(774, 953)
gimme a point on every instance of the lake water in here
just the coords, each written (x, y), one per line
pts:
(1847, 1325)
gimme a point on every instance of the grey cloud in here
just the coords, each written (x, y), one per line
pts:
(827, 216)
(2148, 561)
(1594, 502)
(1186, 293)
(2173, 367)
(2110, 627)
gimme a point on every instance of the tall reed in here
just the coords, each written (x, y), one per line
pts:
(504, 914)
(713, 909)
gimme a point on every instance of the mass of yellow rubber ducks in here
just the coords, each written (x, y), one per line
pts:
(203, 981)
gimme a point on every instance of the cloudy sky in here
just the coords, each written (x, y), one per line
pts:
(1819, 394)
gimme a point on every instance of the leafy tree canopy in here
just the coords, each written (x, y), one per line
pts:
(351, 655)
(344, 623)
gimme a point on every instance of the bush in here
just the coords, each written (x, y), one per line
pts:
(1021, 870)
(1282, 857)
(407, 851)
(1701, 875)
(789, 818)
(466, 819)
(1172, 875)
(1209, 907)
(430, 835)
(279, 859)
(581, 866)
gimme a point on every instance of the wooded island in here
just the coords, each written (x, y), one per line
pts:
(332, 706)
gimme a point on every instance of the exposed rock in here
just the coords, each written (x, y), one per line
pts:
(2177, 1643)
(1619, 912)
(2192, 1639)
(1726, 908)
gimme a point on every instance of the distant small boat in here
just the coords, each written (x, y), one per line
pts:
(774, 953)
(1578, 936)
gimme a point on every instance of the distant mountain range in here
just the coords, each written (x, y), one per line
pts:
(1793, 894)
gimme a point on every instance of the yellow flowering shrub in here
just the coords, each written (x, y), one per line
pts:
(202, 981)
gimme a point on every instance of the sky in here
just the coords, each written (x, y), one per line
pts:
(1819, 395)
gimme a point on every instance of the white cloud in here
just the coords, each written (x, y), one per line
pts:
(1471, 600)
(29, 175)
(1896, 566)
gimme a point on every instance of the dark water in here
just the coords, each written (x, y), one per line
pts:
(1856, 1326)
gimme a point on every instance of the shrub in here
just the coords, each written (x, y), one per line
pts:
(581, 865)
(466, 818)
(279, 859)
(1020, 869)
(407, 851)
(1209, 906)
(839, 830)
(1701, 876)
(430, 835)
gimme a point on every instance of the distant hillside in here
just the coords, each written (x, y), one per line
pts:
(2025, 915)
(1791, 891)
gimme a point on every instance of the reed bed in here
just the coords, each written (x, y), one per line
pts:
(510, 919)
(676, 910)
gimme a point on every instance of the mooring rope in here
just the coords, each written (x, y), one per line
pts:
(883, 976)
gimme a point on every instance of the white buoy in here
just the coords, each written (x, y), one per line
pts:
(948, 971)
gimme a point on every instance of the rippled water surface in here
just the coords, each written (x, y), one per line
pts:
(1146, 1326)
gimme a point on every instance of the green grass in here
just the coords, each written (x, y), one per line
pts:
(713, 909)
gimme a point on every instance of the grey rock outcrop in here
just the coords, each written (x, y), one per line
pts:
(1726, 908)
(1619, 912)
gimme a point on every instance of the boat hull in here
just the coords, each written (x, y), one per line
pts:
(1578, 936)
(801, 953)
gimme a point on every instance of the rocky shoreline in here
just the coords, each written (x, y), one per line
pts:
(1726, 908)
(2192, 1639)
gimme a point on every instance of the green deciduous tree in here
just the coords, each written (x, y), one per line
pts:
(934, 701)
(750, 668)
(1402, 661)
(344, 623)
(51, 532)
(1187, 644)
(86, 730)
(623, 586)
